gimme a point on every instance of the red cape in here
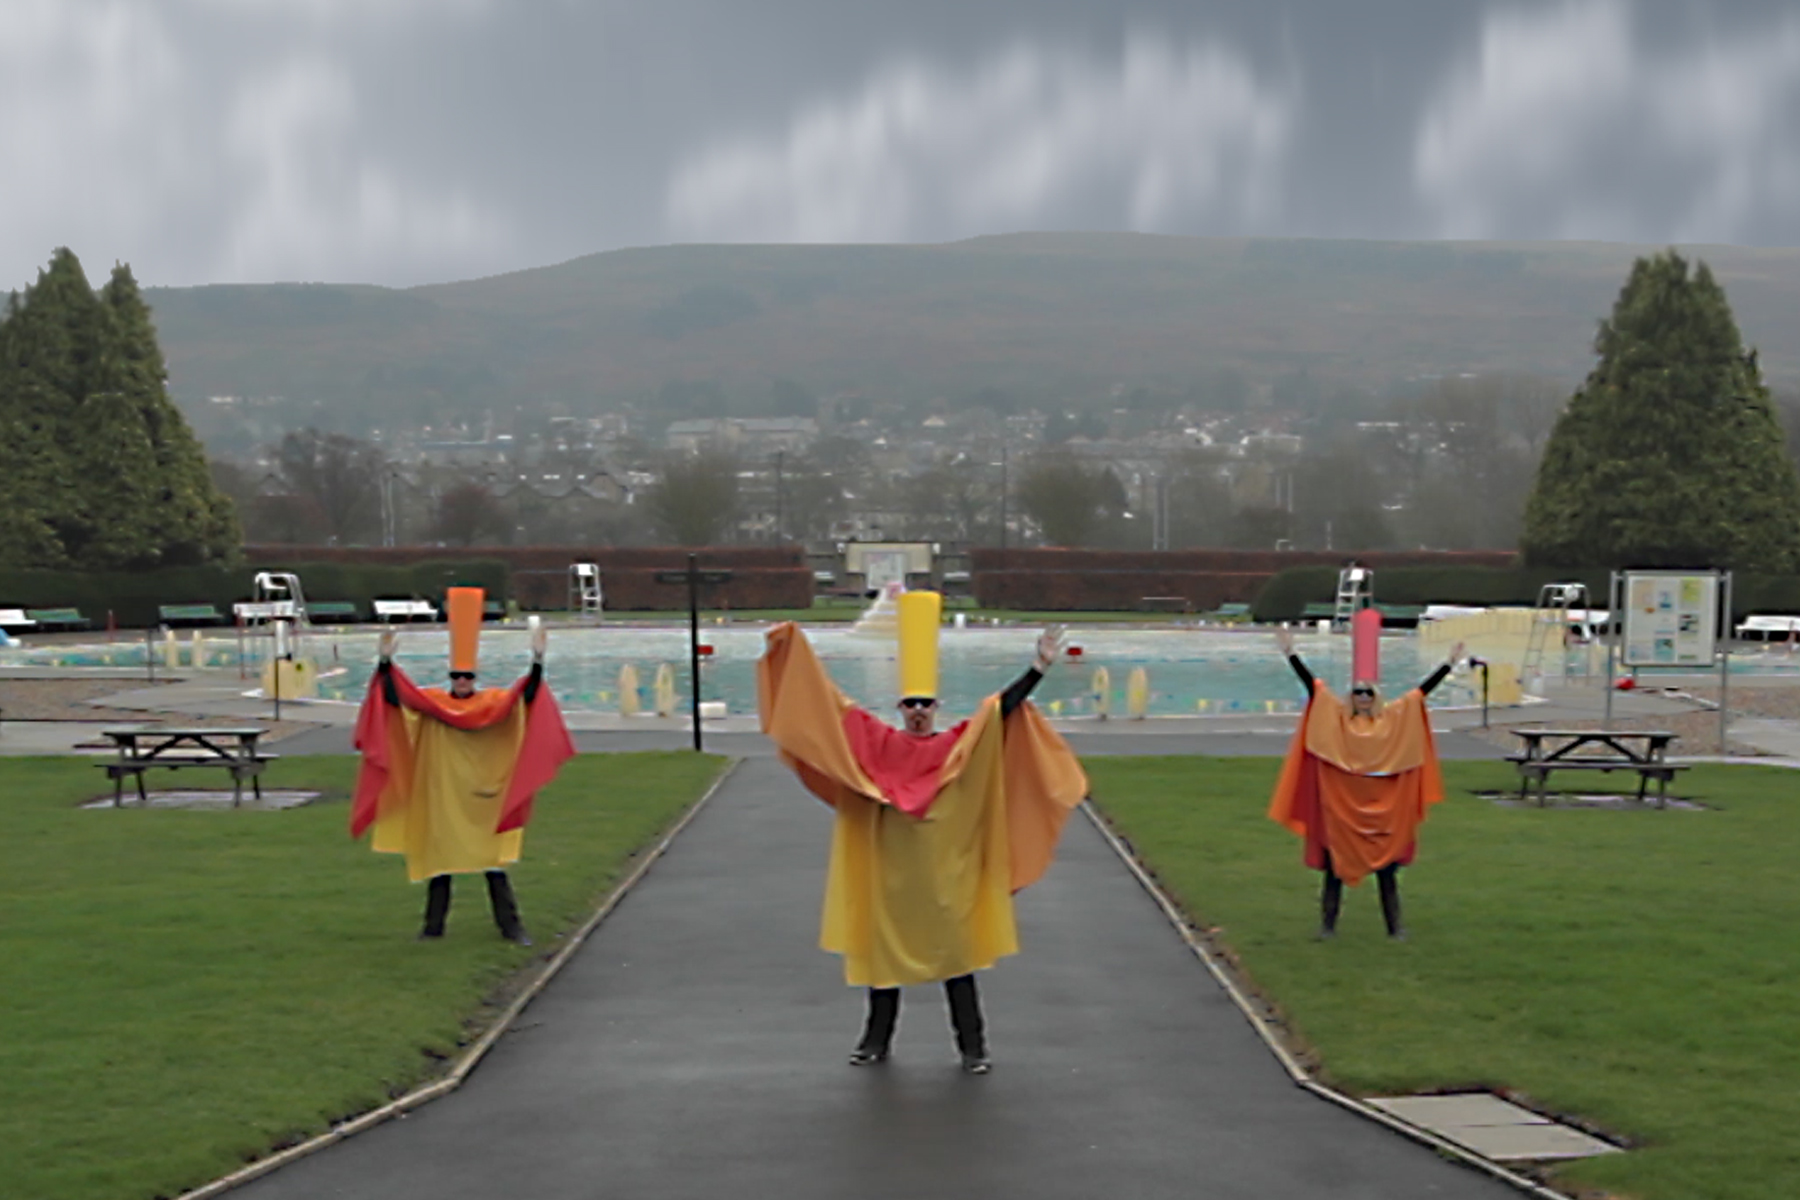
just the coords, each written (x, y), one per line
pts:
(546, 745)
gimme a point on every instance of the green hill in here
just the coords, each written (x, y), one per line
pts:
(1044, 315)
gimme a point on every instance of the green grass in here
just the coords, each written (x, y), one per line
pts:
(1640, 970)
(185, 990)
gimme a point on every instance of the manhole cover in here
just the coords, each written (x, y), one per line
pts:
(1494, 1128)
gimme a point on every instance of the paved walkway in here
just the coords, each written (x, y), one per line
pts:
(695, 1048)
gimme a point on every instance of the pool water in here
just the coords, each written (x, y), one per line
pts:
(1189, 671)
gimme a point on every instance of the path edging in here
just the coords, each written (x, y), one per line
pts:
(1295, 1071)
(471, 1057)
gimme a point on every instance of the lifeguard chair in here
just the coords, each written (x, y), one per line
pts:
(584, 590)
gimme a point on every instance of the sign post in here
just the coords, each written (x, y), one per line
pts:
(694, 577)
(1673, 619)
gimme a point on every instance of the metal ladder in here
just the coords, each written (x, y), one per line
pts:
(1551, 616)
(1355, 591)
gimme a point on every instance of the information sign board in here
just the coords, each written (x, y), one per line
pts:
(1670, 619)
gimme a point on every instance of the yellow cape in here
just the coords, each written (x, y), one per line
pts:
(444, 795)
(919, 899)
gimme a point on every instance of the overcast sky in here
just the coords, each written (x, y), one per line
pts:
(405, 141)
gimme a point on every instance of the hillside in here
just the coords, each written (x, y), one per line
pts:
(1044, 315)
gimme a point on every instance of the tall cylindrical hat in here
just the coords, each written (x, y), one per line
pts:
(462, 607)
(1365, 646)
(920, 615)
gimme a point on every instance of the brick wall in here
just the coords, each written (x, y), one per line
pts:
(1120, 580)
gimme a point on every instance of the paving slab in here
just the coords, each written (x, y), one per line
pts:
(695, 1047)
(1495, 1128)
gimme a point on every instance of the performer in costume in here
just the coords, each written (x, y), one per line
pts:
(934, 831)
(448, 776)
(1357, 782)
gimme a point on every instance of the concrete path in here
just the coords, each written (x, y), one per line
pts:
(695, 1048)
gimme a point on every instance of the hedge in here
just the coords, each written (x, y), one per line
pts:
(1286, 596)
(133, 598)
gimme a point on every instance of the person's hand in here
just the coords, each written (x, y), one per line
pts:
(1049, 645)
(390, 642)
(540, 638)
(1284, 640)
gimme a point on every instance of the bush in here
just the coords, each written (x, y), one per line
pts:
(133, 598)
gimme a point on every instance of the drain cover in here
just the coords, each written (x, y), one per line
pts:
(1494, 1128)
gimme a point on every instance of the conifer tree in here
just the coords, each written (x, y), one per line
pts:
(97, 467)
(1670, 454)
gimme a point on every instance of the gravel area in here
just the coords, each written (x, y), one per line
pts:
(1696, 732)
(71, 700)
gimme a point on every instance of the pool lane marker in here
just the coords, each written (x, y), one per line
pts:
(1216, 965)
(473, 1055)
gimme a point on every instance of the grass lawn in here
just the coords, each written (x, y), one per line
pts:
(1640, 970)
(185, 990)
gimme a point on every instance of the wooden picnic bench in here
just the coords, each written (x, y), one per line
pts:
(1601, 750)
(144, 747)
(15, 618)
(189, 614)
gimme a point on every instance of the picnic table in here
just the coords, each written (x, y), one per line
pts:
(143, 747)
(1645, 752)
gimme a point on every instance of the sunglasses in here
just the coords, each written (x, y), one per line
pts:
(918, 702)
(1362, 691)
(462, 674)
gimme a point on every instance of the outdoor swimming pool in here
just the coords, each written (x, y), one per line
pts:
(1190, 671)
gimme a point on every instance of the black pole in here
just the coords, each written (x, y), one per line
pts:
(1003, 490)
(778, 457)
(693, 573)
(150, 654)
(1476, 662)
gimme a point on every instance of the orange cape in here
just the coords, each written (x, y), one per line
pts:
(518, 747)
(932, 835)
(1357, 788)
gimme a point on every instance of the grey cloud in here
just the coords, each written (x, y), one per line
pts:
(1030, 137)
(1568, 123)
(125, 137)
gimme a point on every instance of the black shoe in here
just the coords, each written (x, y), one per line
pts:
(1399, 935)
(518, 938)
(860, 1057)
(1325, 934)
(425, 935)
(976, 1064)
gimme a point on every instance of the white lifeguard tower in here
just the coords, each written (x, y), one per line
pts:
(585, 598)
(1355, 592)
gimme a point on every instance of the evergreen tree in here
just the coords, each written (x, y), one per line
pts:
(197, 522)
(97, 467)
(1670, 454)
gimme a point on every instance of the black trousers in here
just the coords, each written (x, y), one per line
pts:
(500, 896)
(965, 1018)
(1331, 897)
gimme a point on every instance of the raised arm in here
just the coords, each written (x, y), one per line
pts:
(1048, 646)
(1438, 676)
(1285, 641)
(384, 669)
(539, 640)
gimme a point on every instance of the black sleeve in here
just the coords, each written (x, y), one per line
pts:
(1021, 687)
(1435, 678)
(388, 691)
(533, 681)
(1306, 676)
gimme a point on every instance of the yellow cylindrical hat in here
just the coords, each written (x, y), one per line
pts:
(462, 607)
(920, 615)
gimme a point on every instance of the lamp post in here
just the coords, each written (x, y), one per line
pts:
(1003, 490)
(779, 454)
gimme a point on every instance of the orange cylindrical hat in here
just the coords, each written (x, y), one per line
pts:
(1365, 646)
(462, 606)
